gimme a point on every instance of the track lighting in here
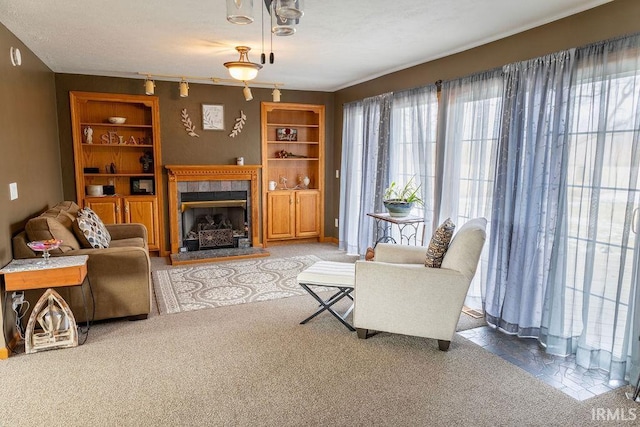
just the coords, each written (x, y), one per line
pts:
(248, 96)
(184, 89)
(149, 86)
(183, 84)
(276, 94)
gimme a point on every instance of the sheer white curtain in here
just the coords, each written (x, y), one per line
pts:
(412, 151)
(603, 196)
(469, 124)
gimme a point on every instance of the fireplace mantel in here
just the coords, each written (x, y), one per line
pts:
(195, 173)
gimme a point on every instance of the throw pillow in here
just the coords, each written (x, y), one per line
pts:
(50, 226)
(439, 244)
(90, 230)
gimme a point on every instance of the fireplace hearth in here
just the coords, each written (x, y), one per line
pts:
(213, 212)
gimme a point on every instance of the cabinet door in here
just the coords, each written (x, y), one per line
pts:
(107, 208)
(280, 216)
(307, 213)
(144, 210)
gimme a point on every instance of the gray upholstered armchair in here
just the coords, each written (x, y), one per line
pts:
(397, 293)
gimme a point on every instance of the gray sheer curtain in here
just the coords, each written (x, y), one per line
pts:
(563, 264)
(529, 192)
(364, 170)
(469, 125)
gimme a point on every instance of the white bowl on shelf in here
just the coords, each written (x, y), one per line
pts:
(117, 120)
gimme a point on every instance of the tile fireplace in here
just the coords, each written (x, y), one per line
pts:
(213, 207)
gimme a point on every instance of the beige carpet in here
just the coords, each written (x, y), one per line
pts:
(255, 365)
(228, 283)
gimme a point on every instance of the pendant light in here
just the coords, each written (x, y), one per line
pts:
(289, 9)
(243, 69)
(240, 11)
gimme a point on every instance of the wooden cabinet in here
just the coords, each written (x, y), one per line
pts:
(131, 209)
(123, 160)
(293, 214)
(293, 141)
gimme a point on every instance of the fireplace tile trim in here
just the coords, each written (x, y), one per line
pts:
(183, 175)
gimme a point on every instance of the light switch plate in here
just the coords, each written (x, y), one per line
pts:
(13, 190)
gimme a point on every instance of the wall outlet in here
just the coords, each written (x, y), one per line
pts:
(336, 222)
(13, 190)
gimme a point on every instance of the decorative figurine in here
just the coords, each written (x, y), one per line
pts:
(88, 135)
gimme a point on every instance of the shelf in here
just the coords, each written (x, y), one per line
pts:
(114, 125)
(291, 125)
(293, 142)
(293, 158)
(89, 175)
(117, 145)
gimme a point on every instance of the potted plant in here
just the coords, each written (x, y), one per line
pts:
(399, 200)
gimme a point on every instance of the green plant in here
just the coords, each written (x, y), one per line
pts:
(408, 193)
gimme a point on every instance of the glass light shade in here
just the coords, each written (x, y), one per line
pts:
(243, 69)
(290, 9)
(282, 26)
(240, 11)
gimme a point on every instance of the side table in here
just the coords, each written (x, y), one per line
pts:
(51, 312)
(410, 223)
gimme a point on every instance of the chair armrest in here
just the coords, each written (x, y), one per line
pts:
(127, 231)
(400, 254)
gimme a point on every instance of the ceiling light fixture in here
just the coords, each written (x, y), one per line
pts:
(243, 69)
(149, 86)
(281, 26)
(276, 94)
(290, 9)
(184, 88)
(248, 96)
(240, 11)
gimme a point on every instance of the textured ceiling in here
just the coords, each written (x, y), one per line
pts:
(338, 42)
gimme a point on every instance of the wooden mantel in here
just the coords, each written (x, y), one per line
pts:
(191, 173)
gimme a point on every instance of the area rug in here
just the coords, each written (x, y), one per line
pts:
(220, 284)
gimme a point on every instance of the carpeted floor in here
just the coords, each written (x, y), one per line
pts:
(255, 365)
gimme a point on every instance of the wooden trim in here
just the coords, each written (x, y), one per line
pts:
(333, 240)
(219, 259)
(6, 351)
(190, 173)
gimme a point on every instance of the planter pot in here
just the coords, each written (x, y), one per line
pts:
(398, 208)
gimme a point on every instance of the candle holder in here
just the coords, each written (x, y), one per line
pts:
(44, 246)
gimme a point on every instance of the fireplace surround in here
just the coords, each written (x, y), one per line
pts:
(208, 184)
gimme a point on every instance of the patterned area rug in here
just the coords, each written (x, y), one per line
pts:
(220, 284)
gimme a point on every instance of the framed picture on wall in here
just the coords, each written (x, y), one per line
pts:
(142, 186)
(212, 117)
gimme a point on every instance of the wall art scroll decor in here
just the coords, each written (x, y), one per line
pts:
(188, 125)
(237, 127)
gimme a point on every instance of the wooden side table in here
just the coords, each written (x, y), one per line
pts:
(36, 273)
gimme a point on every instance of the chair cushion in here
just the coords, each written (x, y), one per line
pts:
(53, 225)
(90, 230)
(439, 244)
